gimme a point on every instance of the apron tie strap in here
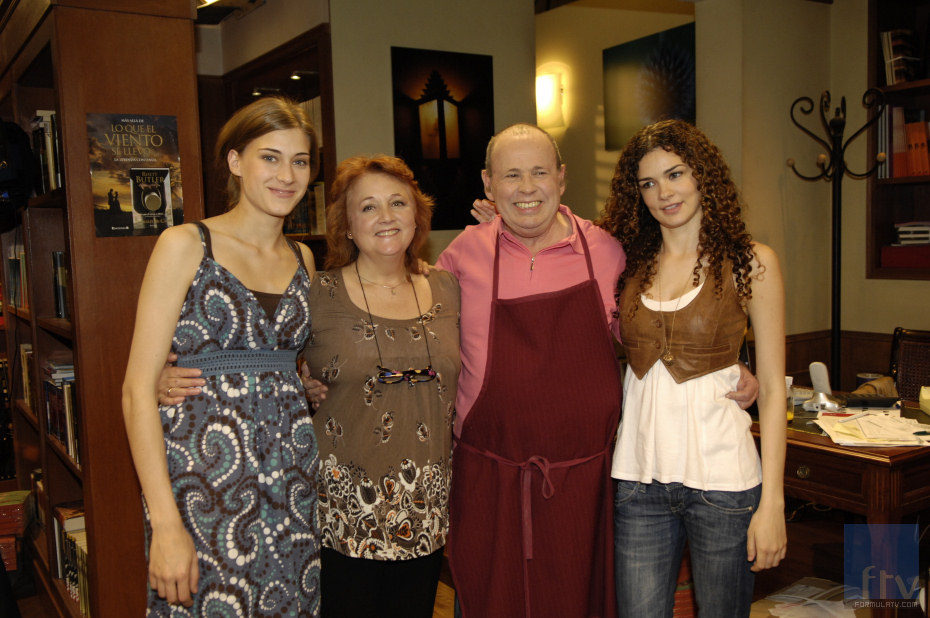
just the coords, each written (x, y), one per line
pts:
(526, 482)
(526, 497)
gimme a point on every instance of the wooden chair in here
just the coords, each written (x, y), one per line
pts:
(910, 361)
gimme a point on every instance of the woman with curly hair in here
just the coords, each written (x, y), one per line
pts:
(685, 463)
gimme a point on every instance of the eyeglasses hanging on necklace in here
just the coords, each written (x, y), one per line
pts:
(391, 376)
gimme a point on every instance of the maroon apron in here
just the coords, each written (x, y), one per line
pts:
(531, 509)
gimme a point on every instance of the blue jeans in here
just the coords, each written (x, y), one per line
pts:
(651, 524)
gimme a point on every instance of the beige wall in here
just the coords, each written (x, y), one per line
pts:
(753, 59)
(786, 54)
(571, 39)
(363, 32)
(236, 40)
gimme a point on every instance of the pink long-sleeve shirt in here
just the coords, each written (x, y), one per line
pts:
(470, 257)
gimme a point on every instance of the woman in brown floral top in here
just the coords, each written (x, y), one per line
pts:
(385, 341)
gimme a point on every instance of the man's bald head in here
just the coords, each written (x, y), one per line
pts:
(520, 128)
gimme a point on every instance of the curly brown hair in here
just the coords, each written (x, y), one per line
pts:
(723, 235)
(340, 249)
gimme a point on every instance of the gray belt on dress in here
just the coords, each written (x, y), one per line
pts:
(241, 361)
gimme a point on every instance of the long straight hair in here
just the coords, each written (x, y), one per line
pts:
(252, 121)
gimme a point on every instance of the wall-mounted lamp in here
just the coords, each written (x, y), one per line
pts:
(296, 75)
(549, 101)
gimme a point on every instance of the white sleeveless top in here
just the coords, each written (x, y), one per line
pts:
(688, 433)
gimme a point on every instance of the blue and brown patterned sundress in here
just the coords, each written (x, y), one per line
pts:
(242, 455)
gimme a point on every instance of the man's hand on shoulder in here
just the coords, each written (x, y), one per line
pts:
(747, 389)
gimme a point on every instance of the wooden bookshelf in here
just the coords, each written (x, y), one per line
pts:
(79, 57)
(906, 198)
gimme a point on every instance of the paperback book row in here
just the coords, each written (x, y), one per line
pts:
(903, 135)
(71, 552)
(17, 275)
(902, 56)
(62, 417)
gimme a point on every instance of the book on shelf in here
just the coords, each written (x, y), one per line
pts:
(23, 280)
(54, 409)
(72, 421)
(37, 484)
(899, 53)
(912, 233)
(915, 133)
(82, 583)
(60, 284)
(46, 121)
(9, 550)
(905, 256)
(59, 362)
(15, 512)
(43, 182)
(899, 160)
(76, 568)
(882, 141)
(67, 517)
(56, 147)
(912, 225)
(12, 270)
(62, 422)
(26, 364)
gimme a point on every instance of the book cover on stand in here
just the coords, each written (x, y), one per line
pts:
(135, 167)
(151, 198)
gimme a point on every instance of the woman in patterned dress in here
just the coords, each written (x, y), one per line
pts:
(228, 476)
(385, 341)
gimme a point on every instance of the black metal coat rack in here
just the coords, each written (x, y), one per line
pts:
(833, 167)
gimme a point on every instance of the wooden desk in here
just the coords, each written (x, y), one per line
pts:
(884, 484)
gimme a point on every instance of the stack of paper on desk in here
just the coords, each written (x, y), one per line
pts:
(885, 428)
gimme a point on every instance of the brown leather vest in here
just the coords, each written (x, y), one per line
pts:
(707, 337)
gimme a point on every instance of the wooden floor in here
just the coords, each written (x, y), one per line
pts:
(815, 548)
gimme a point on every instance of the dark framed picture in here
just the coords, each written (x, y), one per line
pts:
(648, 80)
(443, 119)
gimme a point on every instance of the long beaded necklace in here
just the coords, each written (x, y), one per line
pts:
(424, 374)
(667, 357)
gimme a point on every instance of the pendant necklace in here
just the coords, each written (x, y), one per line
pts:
(667, 357)
(392, 288)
